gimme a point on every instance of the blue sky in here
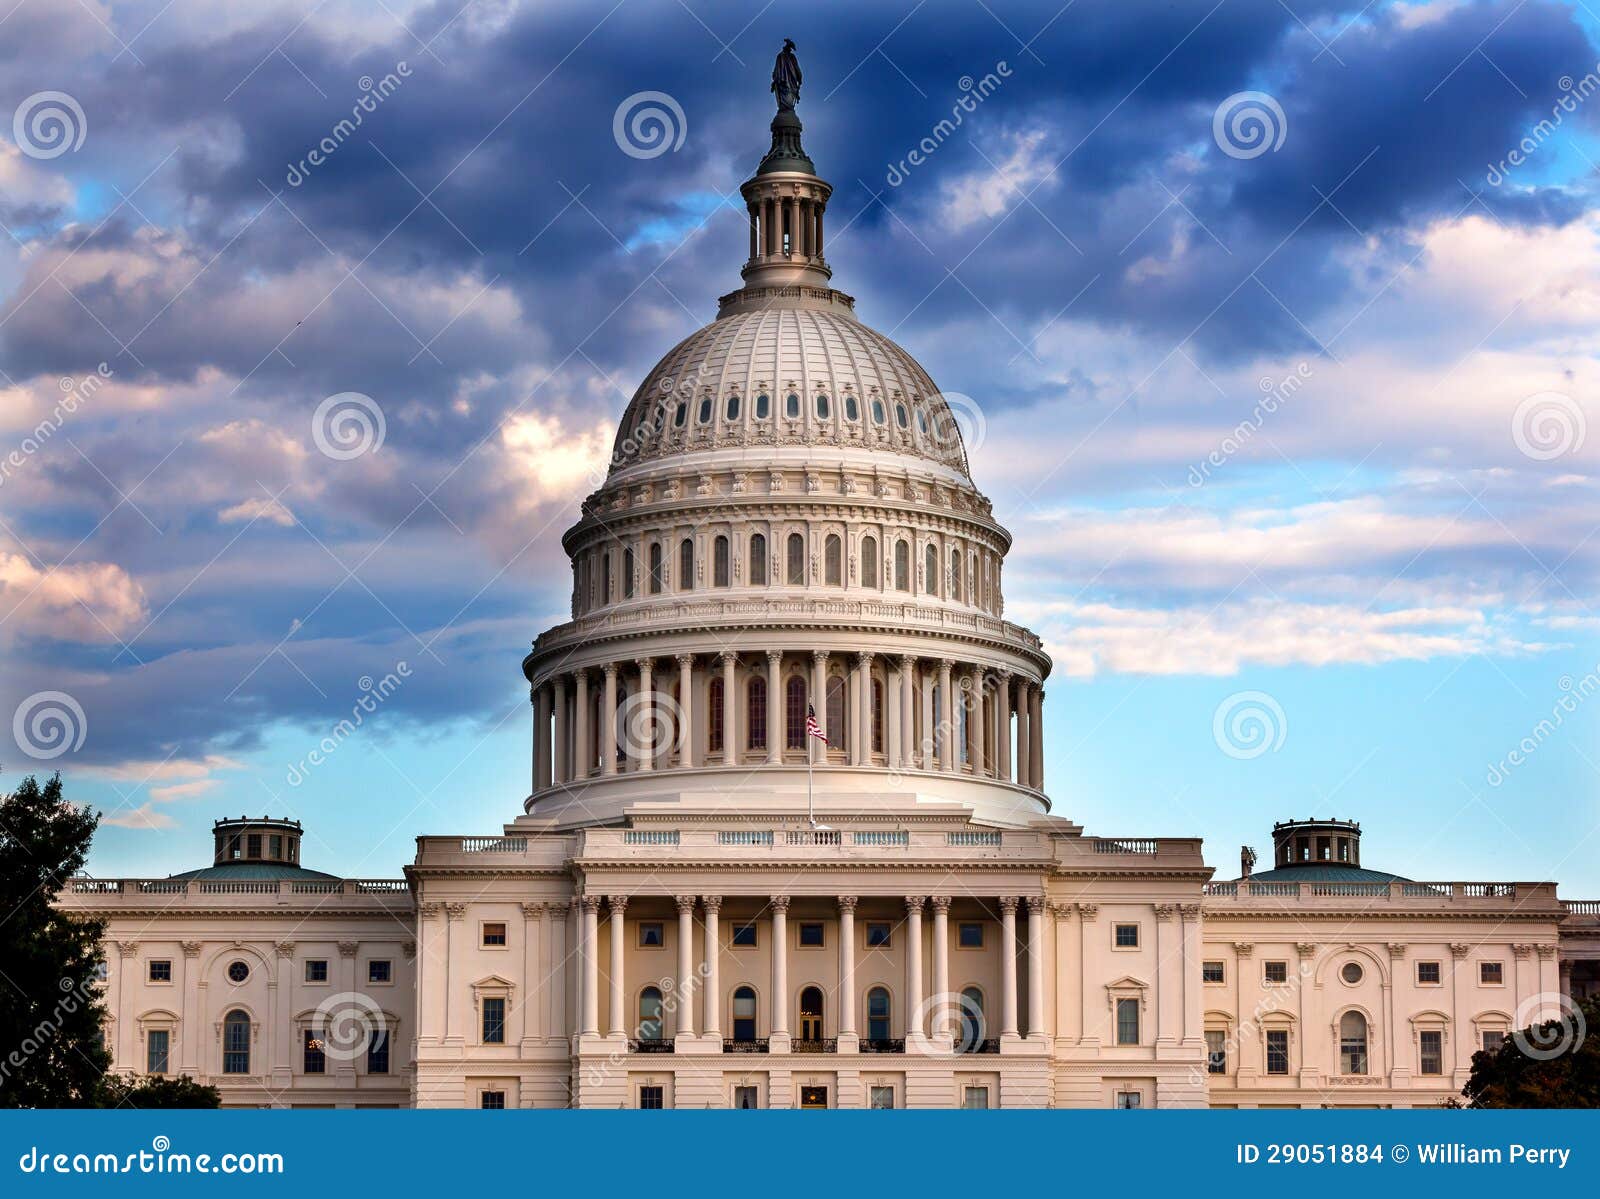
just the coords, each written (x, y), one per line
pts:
(1393, 560)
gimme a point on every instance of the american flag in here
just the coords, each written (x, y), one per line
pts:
(813, 729)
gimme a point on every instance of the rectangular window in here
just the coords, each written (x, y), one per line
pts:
(1129, 1100)
(314, 1061)
(378, 1051)
(275, 847)
(157, 1043)
(494, 1020)
(878, 934)
(1493, 1039)
(746, 1099)
(494, 934)
(975, 1098)
(1432, 1045)
(1428, 973)
(161, 971)
(969, 935)
(1127, 1022)
(1491, 974)
(316, 970)
(651, 1099)
(1216, 1051)
(744, 936)
(492, 1101)
(253, 845)
(882, 1099)
(1212, 972)
(652, 934)
(1127, 936)
(1277, 972)
(811, 934)
(1277, 1051)
(378, 971)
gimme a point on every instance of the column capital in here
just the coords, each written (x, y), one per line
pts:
(1035, 904)
(684, 660)
(284, 949)
(1088, 911)
(779, 903)
(773, 655)
(1306, 949)
(864, 659)
(589, 903)
(914, 903)
(559, 682)
(1397, 949)
(941, 903)
(1459, 951)
(643, 664)
(581, 674)
(1009, 903)
(532, 910)
(711, 903)
(347, 949)
(1244, 948)
(847, 903)
(1189, 911)
(617, 903)
(191, 949)
(429, 910)
(1165, 911)
(908, 661)
(1064, 911)
(1546, 951)
(726, 655)
(454, 911)
(610, 670)
(1522, 950)
(1003, 673)
(685, 904)
(819, 656)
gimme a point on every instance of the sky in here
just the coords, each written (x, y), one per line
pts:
(1277, 323)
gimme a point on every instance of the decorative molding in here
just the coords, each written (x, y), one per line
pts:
(285, 949)
(1397, 949)
(1244, 948)
(617, 903)
(532, 911)
(1459, 951)
(779, 903)
(685, 904)
(128, 948)
(347, 949)
(454, 911)
(191, 949)
(1165, 912)
(1089, 911)
(712, 904)
(847, 903)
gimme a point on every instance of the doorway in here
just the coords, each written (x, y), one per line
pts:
(814, 1097)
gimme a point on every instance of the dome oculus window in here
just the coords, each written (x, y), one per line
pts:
(1351, 972)
(852, 410)
(238, 971)
(763, 406)
(791, 405)
(733, 406)
(822, 406)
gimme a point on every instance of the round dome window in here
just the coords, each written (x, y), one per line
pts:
(238, 971)
(1351, 972)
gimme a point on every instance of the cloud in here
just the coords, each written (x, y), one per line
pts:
(92, 602)
(270, 510)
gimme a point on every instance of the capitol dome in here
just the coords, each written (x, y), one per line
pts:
(788, 527)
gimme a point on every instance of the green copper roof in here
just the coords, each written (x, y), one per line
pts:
(1325, 872)
(253, 872)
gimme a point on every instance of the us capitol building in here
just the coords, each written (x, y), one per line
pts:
(702, 906)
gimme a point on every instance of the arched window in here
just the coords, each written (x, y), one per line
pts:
(704, 415)
(963, 754)
(756, 713)
(877, 716)
(822, 406)
(656, 577)
(811, 1014)
(877, 412)
(744, 1013)
(832, 566)
(939, 730)
(972, 1021)
(1352, 1043)
(650, 1022)
(236, 1043)
(758, 560)
(721, 571)
(686, 565)
(837, 733)
(869, 562)
(852, 410)
(797, 559)
(878, 1014)
(714, 716)
(902, 566)
(900, 415)
(627, 573)
(930, 571)
(605, 576)
(955, 575)
(794, 713)
(733, 406)
(763, 406)
(791, 406)
(681, 415)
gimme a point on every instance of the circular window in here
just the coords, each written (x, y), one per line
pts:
(238, 971)
(1351, 972)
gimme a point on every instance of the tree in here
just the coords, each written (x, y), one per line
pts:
(1513, 1077)
(51, 1047)
(154, 1091)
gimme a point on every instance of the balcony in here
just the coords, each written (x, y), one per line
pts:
(649, 1045)
(816, 1045)
(991, 1045)
(745, 1045)
(884, 1045)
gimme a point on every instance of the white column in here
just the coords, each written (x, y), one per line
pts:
(847, 965)
(1166, 985)
(589, 932)
(775, 730)
(780, 965)
(711, 1016)
(893, 705)
(552, 976)
(1036, 740)
(977, 722)
(532, 987)
(582, 762)
(1024, 737)
(562, 733)
(819, 701)
(686, 710)
(908, 720)
(854, 706)
(927, 755)
(941, 965)
(914, 1013)
(644, 720)
(1036, 917)
(608, 723)
(1002, 740)
(541, 737)
(685, 965)
(947, 719)
(619, 1026)
(730, 706)
(1008, 965)
(864, 690)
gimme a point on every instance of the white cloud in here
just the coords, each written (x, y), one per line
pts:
(260, 508)
(989, 190)
(92, 602)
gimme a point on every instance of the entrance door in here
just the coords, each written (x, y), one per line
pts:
(813, 1097)
(811, 1014)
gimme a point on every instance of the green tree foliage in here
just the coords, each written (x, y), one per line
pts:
(51, 1051)
(155, 1091)
(1512, 1077)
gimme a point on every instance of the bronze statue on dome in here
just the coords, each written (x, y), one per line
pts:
(786, 77)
